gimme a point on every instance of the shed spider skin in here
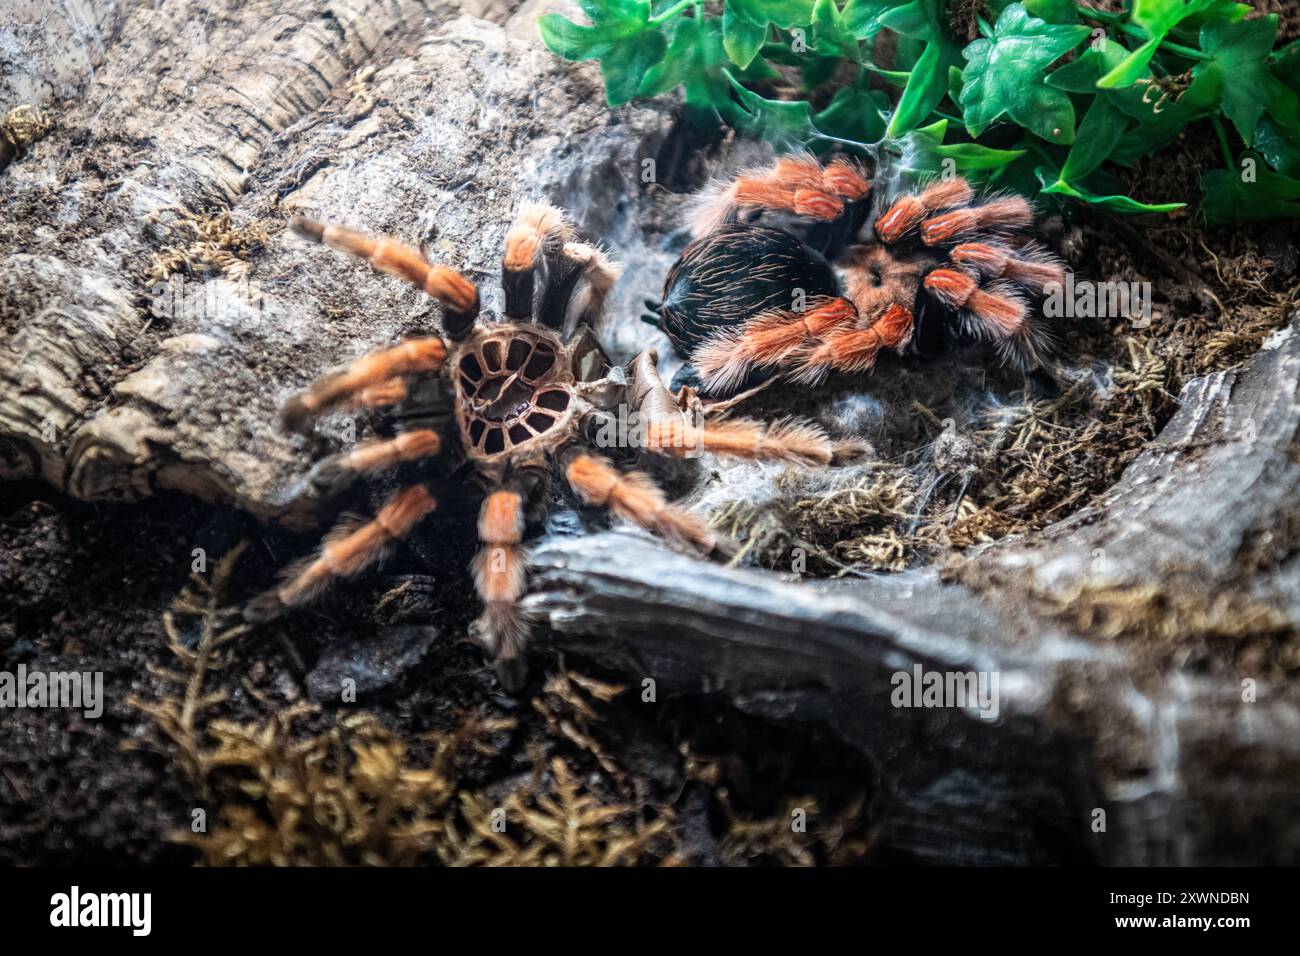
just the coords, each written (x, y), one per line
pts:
(785, 278)
(517, 405)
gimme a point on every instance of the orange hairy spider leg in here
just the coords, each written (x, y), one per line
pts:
(538, 232)
(1035, 275)
(345, 552)
(907, 212)
(768, 339)
(373, 456)
(389, 392)
(855, 350)
(369, 371)
(458, 295)
(951, 286)
(499, 576)
(846, 179)
(994, 262)
(989, 261)
(1003, 215)
(1000, 315)
(636, 498)
(796, 184)
(793, 442)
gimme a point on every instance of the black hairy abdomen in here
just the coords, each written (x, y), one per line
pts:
(735, 273)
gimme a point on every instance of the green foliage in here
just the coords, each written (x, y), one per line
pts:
(1049, 99)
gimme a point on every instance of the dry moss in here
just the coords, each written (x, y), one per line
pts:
(850, 523)
(799, 833)
(1170, 623)
(202, 245)
(300, 786)
(22, 126)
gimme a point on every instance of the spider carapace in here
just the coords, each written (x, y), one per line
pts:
(534, 403)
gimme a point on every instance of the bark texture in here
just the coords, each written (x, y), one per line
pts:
(401, 117)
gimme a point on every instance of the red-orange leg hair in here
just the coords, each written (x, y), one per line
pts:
(854, 350)
(796, 184)
(906, 213)
(766, 340)
(1002, 215)
(635, 497)
(995, 262)
(499, 569)
(368, 377)
(458, 295)
(540, 230)
(998, 314)
(346, 551)
(373, 456)
(599, 273)
(388, 392)
(791, 441)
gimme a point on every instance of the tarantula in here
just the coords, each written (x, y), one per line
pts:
(755, 296)
(514, 403)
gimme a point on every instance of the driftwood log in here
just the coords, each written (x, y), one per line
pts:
(179, 147)
(1097, 753)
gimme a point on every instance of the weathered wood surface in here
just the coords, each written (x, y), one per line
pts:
(394, 115)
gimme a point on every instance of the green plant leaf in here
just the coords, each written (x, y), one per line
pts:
(862, 17)
(1286, 65)
(1155, 130)
(1081, 75)
(1054, 11)
(927, 83)
(1279, 146)
(1122, 204)
(625, 66)
(830, 36)
(621, 38)
(574, 41)
(924, 155)
(741, 38)
(784, 13)
(1004, 76)
(855, 113)
(1229, 199)
(783, 122)
(1250, 89)
(1158, 17)
(1132, 68)
(693, 60)
(1100, 131)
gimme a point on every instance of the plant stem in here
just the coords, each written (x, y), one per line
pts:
(672, 11)
(1115, 20)
(1223, 141)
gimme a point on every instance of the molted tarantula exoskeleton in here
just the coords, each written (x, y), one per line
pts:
(514, 403)
(780, 279)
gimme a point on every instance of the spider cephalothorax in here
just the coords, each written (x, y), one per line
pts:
(518, 402)
(784, 278)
